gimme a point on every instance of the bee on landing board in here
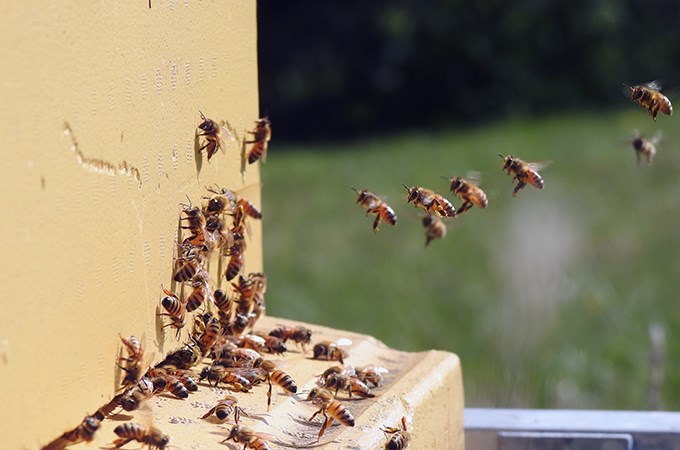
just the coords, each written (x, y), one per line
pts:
(300, 335)
(430, 201)
(273, 375)
(247, 437)
(469, 192)
(225, 408)
(374, 205)
(150, 435)
(646, 147)
(214, 135)
(398, 437)
(330, 408)
(524, 172)
(261, 137)
(332, 351)
(648, 96)
(435, 228)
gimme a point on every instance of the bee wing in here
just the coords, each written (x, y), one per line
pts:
(344, 342)
(658, 136)
(538, 165)
(474, 176)
(655, 85)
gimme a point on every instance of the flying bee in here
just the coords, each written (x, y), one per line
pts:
(135, 395)
(435, 228)
(225, 408)
(374, 205)
(648, 96)
(524, 172)
(430, 201)
(275, 376)
(132, 365)
(372, 374)
(332, 351)
(330, 408)
(646, 147)
(261, 137)
(149, 435)
(246, 208)
(82, 433)
(248, 437)
(398, 437)
(214, 135)
(469, 192)
(299, 334)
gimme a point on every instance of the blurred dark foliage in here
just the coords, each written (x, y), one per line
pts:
(341, 69)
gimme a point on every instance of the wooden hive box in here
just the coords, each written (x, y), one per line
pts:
(100, 107)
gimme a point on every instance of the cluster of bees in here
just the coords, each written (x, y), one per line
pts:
(221, 346)
(437, 207)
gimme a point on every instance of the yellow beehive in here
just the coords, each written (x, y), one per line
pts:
(99, 113)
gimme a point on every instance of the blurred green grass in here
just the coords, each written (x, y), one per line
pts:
(547, 297)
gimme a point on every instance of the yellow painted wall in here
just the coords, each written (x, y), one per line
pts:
(89, 234)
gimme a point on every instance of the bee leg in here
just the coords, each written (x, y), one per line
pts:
(519, 186)
(269, 393)
(376, 223)
(314, 415)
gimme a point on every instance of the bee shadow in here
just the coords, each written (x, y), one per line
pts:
(198, 154)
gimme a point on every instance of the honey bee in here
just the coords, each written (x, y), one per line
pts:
(235, 253)
(372, 374)
(300, 335)
(648, 96)
(523, 172)
(214, 135)
(399, 437)
(274, 344)
(212, 331)
(331, 351)
(182, 358)
(430, 201)
(195, 221)
(82, 433)
(374, 205)
(273, 375)
(219, 374)
(149, 435)
(135, 395)
(176, 310)
(133, 363)
(199, 292)
(261, 137)
(469, 192)
(330, 408)
(171, 383)
(435, 228)
(346, 382)
(247, 437)
(646, 147)
(223, 201)
(237, 326)
(224, 408)
(245, 208)
(188, 269)
(222, 301)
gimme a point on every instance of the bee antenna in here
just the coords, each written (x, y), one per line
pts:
(407, 188)
(202, 115)
(501, 156)
(445, 178)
